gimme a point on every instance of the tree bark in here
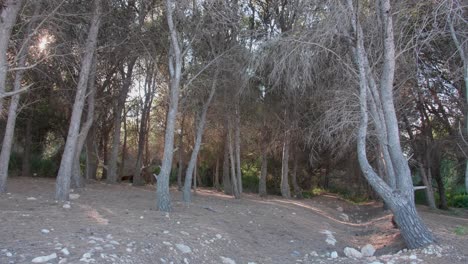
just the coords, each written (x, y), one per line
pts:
(226, 176)
(296, 188)
(14, 103)
(285, 190)
(181, 155)
(238, 147)
(427, 181)
(234, 179)
(198, 140)
(62, 190)
(401, 201)
(77, 176)
(262, 189)
(175, 69)
(216, 184)
(7, 21)
(112, 174)
(91, 154)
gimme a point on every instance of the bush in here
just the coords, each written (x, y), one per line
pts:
(458, 200)
(250, 183)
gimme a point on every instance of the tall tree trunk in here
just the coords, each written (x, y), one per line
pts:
(234, 179)
(216, 184)
(121, 170)
(401, 201)
(7, 21)
(238, 147)
(181, 155)
(112, 174)
(26, 166)
(226, 176)
(198, 140)
(62, 190)
(285, 190)
(77, 176)
(426, 177)
(175, 69)
(91, 154)
(296, 188)
(262, 190)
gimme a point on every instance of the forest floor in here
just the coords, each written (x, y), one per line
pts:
(119, 224)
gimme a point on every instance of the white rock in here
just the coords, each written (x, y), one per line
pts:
(9, 254)
(45, 231)
(186, 261)
(352, 253)
(345, 217)
(66, 206)
(165, 232)
(141, 217)
(184, 233)
(65, 251)
(368, 250)
(167, 243)
(184, 248)
(129, 250)
(31, 198)
(314, 254)
(114, 242)
(251, 262)
(98, 248)
(227, 260)
(330, 238)
(43, 259)
(376, 262)
(218, 236)
(74, 196)
(63, 261)
(334, 255)
(339, 208)
(87, 258)
(413, 257)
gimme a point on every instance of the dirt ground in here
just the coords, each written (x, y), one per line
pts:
(119, 224)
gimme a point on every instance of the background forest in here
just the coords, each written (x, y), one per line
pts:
(267, 96)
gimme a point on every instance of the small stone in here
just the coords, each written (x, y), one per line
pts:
(296, 253)
(165, 232)
(167, 243)
(43, 259)
(334, 255)
(66, 206)
(65, 251)
(376, 262)
(98, 248)
(9, 254)
(368, 250)
(129, 250)
(218, 236)
(184, 233)
(114, 242)
(186, 261)
(45, 231)
(413, 257)
(184, 248)
(74, 196)
(31, 198)
(178, 222)
(226, 260)
(339, 209)
(352, 253)
(314, 254)
(141, 217)
(345, 217)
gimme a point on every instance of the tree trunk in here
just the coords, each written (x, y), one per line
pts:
(7, 21)
(175, 69)
(216, 184)
(285, 191)
(238, 148)
(234, 179)
(198, 140)
(121, 170)
(26, 166)
(112, 174)
(262, 189)
(64, 174)
(91, 154)
(226, 176)
(426, 177)
(297, 189)
(401, 201)
(181, 155)
(77, 176)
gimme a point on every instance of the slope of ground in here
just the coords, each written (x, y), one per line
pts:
(119, 224)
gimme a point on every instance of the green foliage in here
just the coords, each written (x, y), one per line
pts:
(458, 200)
(250, 176)
(461, 230)
(313, 192)
(44, 167)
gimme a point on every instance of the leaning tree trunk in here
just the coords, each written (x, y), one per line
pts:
(62, 190)
(77, 176)
(400, 200)
(114, 155)
(175, 69)
(8, 15)
(198, 139)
